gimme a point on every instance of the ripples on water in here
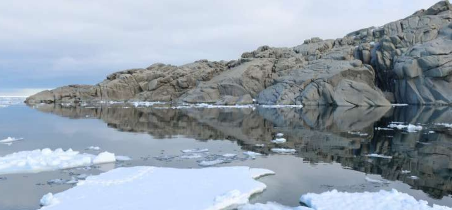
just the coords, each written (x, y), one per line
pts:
(333, 146)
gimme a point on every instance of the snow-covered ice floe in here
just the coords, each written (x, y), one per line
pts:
(159, 188)
(410, 128)
(382, 200)
(283, 151)
(379, 156)
(48, 160)
(10, 140)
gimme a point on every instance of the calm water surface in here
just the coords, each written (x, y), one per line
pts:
(331, 146)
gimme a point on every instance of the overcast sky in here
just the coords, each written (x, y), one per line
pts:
(49, 43)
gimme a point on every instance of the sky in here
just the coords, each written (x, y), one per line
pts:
(49, 43)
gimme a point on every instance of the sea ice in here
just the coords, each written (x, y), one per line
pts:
(206, 163)
(279, 141)
(48, 160)
(410, 128)
(252, 154)
(10, 140)
(283, 151)
(93, 148)
(379, 156)
(191, 156)
(270, 206)
(382, 200)
(195, 150)
(123, 158)
(194, 189)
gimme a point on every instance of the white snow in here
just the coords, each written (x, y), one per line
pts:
(382, 200)
(405, 172)
(379, 156)
(410, 128)
(279, 135)
(229, 155)
(145, 103)
(259, 145)
(279, 141)
(161, 188)
(48, 160)
(195, 150)
(413, 177)
(10, 140)
(252, 154)
(283, 151)
(93, 148)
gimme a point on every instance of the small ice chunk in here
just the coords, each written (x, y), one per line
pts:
(104, 157)
(368, 179)
(271, 206)
(259, 145)
(229, 155)
(195, 150)
(447, 125)
(279, 141)
(252, 154)
(405, 172)
(206, 163)
(413, 177)
(48, 200)
(93, 148)
(279, 135)
(123, 158)
(410, 128)
(283, 151)
(191, 156)
(379, 156)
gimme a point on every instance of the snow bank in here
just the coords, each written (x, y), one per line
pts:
(383, 200)
(193, 189)
(48, 160)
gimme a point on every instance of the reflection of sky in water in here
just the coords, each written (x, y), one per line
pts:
(329, 142)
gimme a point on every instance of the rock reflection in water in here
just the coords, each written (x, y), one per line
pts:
(318, 134)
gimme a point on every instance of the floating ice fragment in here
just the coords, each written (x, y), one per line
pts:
(283, 151)
(48, 160)
(206, 163)
(270, 206)
(379, 156)
(279, 141)
(195, 150)
(48, 200)
(191, 156)
(229, 155)
(375, 180)
(252, 154)
(279, 135)
(123, 158)
(93, 148)
(410, 128)
(10, 140)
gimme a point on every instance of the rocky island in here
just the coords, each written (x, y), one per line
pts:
(407, 61)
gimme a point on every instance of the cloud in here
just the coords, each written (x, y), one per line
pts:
(55, 42)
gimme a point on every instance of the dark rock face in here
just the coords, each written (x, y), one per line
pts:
(406, 61)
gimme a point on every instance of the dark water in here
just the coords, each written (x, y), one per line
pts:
(331, 145)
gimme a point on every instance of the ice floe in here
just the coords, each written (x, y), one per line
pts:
(357, 133)
(93, 148)
(194, 189)
(213, 106)
(123, 158)
(194, 150)
(447, 125)
(10, 140)
(146, 103)
(48, 160)
(213, 162)
(279, 135)
(382, 200)
(410, 128)
(368, 179)
(379, 156)
(279, 141)
(270, 206)
(252, 154)
(191, 156)
(283, 151)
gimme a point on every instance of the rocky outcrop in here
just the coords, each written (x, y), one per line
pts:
(405, 61)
